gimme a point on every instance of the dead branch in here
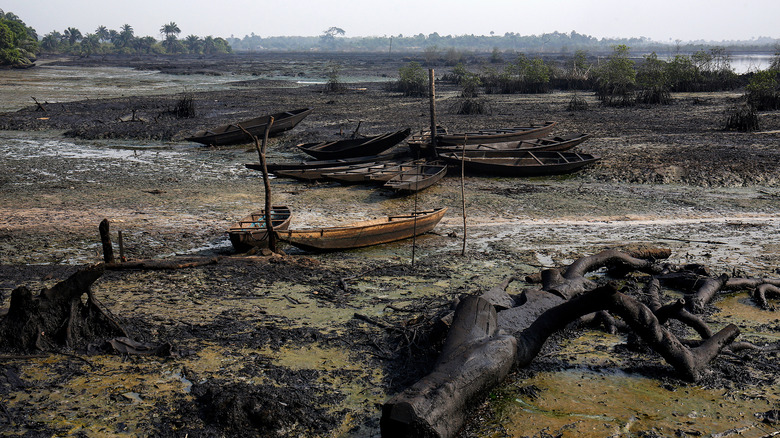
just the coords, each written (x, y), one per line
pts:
(695, 302)
(572, 281)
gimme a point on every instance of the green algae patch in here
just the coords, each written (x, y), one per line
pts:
(583, 403)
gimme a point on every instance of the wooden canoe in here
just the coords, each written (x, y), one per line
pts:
(553, 143)
(359, 173)
(315, 174)
(384, 175)
(232, 134)
(251, 232)
(365, 233)
(484, 136)
(417, 178)
(314, 164)
(516, 163)
(354, 147)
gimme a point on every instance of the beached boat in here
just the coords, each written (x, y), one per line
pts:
(232, 133)
(517, 163)
(365, 233)
(552, 143)
(251, 231)
(359, 173)
(314, 164)
(315, 174)
(417, 178)
(354, 147)
(384, 175)
(482, 136)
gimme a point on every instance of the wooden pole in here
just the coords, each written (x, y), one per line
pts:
(121, 243)
(432, 81)
(269, 226)
(105, 238)
(463, 189)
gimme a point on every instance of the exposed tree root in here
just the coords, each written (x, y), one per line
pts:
(492, 333)
(57, 317)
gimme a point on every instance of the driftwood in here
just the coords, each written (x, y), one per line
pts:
(492, 333)
(178, 263)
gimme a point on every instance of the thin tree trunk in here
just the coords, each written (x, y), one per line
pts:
(269, 226)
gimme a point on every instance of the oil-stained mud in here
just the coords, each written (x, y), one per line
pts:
(312, 345)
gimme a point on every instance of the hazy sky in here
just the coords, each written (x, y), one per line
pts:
(659, 20)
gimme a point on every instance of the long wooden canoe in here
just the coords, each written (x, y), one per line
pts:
(251, 231)
(232, 133)
(384, 175)
(552, 143)
(365, 233)
(417, 178)
(313, 164)
(359, 173)
(515, 163)
(484, 135)
(354, 147)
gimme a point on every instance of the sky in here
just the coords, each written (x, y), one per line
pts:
(659, 20)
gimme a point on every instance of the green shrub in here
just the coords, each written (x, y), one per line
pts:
(413, 80)
(762, 92)
(742, 118)
(333, 69)
(577, 103)
(653, 81)
(616, 79)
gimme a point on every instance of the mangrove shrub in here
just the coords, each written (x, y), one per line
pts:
(616, 79)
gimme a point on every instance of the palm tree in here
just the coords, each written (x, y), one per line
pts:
(170, 29)
(73, 35)
(146, 43)
(209, 45)
(89, 44)
(193, 43)
(125, 36)
(102, 33)
(51, 41)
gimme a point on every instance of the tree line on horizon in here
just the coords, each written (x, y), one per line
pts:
(123, 41)
(334, 39)
(20, 44)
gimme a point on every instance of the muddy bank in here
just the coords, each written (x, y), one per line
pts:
(256, 335)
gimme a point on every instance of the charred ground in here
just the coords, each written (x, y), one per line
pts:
(254, 336)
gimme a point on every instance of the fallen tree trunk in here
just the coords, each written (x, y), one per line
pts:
(476, 357)
(479, 350)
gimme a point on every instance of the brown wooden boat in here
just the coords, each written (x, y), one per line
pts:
(384, 175)
(483, 136)
(313, 164)
(359, 173)
(417, 178)
(365, 233)
(316, 174)
(251, 231)
(232, 133)
(354, 147)
(552, 143)
(517, 163)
